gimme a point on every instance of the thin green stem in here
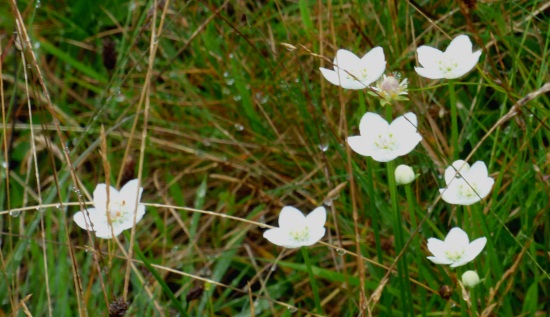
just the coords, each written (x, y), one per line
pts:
(473, 300)
(419, 257)
(375, 220)
(312, 280)
(454, 120)
(403, 275)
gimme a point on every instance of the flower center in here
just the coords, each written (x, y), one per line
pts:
(299, 233)
(116, 210)
(385, 141)
(468, 190)
(454, 252)
(359, 74)
(447, 64)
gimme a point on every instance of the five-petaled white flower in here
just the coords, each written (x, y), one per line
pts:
(352, 72)
(466, 185)
(457, 60)
(456, 250)
(296, 230)
(113, 212)
(382, 141)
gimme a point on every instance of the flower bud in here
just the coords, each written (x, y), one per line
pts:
(470, 279)
(404, 175)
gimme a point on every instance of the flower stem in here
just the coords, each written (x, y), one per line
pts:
(403, 274)
(375, 219)
(454, 120)
(473, 300)
(419, 257)
(312, 280)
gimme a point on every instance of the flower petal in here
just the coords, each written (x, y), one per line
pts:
(437, 248)
(79, 219)
(277, 236)
(404, 129)
(472, 251)
(428, 57)
(383, 155)
(126, 221)
(290, 217)
(360, 145)
(451, 194)
(430, 73)
(375, 63)
(100, 196)
(131, 192)
(104, 231)
(459, 166)
(459, 46)
(372, 123)
(437, 260)
(457, 236)
(315, 235)
(346, 60)
(331, 76)
(317, 218)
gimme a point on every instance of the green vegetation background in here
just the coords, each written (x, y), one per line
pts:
(205, 102)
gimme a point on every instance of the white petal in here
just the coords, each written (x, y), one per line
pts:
(451, 172)
(457, 236)
(290, 217)
(405, 130)
(131, 192)
(330, 75)
(81, 222)
(459, 46)
(100, 196)
(315, 235)
(451, 195)
(383, 155)
(439, 260)
(375, 63)
(437, 248)
(127, 220)
(317, 218)
(351, 83)
(484, 187)
(103, 231)
(430, 73)
(360, 145)
(372, 123)
(478, 171)
(475, 248)
(346, 60)
(428, 57)
(277, 236)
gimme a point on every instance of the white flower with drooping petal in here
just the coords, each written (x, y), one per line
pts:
(352, 72)
(457, 60)
(296, 230)
(456, 250)
(120, 206)
(466, 185)
(382, 141)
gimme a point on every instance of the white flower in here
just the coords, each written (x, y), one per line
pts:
(466, 185)
(295, 230)
(382, 141)
(456, 250)
(404, 175)
(352, 72)
(470, 279)
(457, 60)
(121, 207)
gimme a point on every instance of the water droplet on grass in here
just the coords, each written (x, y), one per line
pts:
(15, 213)
(238, 127)
(341, 251)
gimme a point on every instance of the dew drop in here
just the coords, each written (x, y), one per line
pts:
(15, 213)
(323, 147)
(37, 4)
(237, 98)
(273, 268)
(341, 251)
(225, 74)
(292, 309)
(230, 81)
(238, 127)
